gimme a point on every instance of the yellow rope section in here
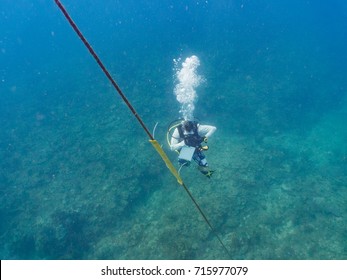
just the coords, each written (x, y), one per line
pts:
(167, 161)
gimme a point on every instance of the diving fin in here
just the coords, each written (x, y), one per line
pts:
(206, 171)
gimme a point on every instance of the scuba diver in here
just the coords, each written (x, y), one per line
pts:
(187, 139)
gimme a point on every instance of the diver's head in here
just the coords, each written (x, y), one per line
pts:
(188, 126)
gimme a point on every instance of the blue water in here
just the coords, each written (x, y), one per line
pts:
(78, 178)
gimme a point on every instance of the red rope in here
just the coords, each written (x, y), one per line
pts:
(102, 66)
(85, 42)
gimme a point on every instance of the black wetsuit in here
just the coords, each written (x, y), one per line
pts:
(194, 140)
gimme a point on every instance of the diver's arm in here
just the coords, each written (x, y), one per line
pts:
(176, 143)
(206, 130)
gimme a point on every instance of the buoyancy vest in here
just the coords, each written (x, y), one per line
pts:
(193, 139)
